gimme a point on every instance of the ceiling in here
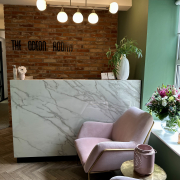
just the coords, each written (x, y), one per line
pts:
(18, 2)
(124, 5)
(1, 11)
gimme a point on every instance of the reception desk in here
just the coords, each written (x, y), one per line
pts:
(47, 114)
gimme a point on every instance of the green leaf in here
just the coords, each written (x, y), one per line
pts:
(125, 47)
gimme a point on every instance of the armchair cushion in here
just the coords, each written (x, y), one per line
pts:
(109, 160)
(133, 125)
(84, 146)
(95, 129)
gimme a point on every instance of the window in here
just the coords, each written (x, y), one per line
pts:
(177, 67)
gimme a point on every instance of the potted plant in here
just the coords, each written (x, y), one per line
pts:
(118, 60)
(165, 104)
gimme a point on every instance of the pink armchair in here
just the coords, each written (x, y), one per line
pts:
(105, 146)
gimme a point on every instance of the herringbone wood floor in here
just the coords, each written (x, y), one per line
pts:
(63, 170)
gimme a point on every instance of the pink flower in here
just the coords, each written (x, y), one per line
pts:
(148, 104)
(162, 92)
(177, 99)
(174, 91)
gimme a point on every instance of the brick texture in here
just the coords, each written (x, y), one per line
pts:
(90, 43)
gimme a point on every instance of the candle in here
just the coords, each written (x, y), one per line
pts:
(178, 138)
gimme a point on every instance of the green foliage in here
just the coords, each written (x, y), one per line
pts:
(125, 47)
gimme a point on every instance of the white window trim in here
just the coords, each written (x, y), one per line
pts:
(177, 56)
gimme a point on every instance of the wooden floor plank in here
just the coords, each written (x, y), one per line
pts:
(63, 170)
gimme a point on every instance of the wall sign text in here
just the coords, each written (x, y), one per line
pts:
(41, 46)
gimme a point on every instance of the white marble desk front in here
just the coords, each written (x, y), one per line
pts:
(47, 114)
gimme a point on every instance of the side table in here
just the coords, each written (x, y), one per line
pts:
(127, 169)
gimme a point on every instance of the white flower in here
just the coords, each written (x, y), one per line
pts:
(164, 102)
(165, 97)
(22, 69)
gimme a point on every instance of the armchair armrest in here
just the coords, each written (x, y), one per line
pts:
(109, 156)
(95, 129)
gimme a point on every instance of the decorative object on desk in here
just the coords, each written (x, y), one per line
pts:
(104, 76)
(123, 68)
(165, 103)
(14, 72)
(22, 71)
(118, 60)
(144, 156)
(109, 75)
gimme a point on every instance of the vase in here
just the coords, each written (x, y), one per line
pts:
(123, 68)
(144, 156)
(21, 76)
(170, 124)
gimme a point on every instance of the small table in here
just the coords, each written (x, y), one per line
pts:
(127, 169)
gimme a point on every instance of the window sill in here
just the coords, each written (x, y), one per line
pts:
(168, 139)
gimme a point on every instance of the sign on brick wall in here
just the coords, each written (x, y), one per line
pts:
(41, 46)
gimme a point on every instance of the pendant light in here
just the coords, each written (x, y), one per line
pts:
(41, 5)
(113, 8)
(78, 17)
(62, 16)
(93, 17)
(177, 2)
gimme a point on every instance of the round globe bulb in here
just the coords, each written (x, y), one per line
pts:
(78, 17)
(62, 17)
(93, 18)
(113, 8)
(41, 5)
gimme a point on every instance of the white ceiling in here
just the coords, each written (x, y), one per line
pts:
(18, 2)
(123, 4)
(1, 11)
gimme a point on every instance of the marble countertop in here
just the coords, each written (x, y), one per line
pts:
(75, 79)
(168, 139)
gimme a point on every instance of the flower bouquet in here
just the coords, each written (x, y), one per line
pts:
(22, 71)
(166, 103)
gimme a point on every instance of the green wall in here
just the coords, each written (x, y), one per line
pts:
(133, 25)
(153, 24)
(159, 68)
(160, 46)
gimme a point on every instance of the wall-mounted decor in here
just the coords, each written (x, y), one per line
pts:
(60, 46)
(16, 44)
(41, 46)
(37, 45)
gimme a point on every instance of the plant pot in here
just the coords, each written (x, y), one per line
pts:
(21, 76)
(170, 125)
(123, 68)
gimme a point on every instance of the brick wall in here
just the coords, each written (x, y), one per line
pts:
(90, 43)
